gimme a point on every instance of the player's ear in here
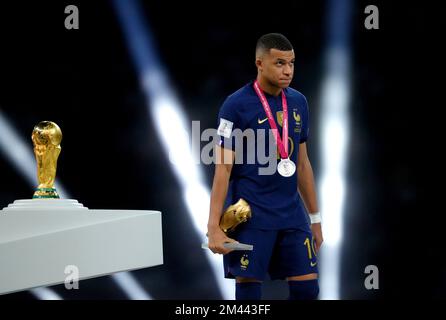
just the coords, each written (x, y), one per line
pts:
(259, 63)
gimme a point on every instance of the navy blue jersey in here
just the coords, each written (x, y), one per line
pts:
(274, 200)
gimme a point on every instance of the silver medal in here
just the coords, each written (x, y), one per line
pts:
(286, 167)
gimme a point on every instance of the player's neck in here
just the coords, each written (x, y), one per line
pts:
(268, 87)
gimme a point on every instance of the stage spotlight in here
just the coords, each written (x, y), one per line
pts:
(170, 122)
(334, 135)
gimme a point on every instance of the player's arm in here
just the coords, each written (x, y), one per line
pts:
(307, 190)
(223, 168)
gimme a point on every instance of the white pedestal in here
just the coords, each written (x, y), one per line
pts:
(39, 238)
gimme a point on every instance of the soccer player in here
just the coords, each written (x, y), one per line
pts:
(285, 239)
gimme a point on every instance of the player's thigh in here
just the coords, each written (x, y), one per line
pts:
(309, 276)
(294, 256)
(246, 279)
(247, 265)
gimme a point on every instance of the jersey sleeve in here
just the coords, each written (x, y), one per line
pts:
(305, 122)
(228, 121)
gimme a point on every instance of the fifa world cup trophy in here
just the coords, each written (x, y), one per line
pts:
(46, 138)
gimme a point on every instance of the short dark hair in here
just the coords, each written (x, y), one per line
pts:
(273, 41)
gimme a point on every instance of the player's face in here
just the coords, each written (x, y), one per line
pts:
(278, 67)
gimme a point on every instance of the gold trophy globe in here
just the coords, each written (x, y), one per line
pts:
(46, 138)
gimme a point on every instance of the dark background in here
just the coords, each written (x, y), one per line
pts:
(85, 81)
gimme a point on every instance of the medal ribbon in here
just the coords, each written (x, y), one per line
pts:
(283, 147)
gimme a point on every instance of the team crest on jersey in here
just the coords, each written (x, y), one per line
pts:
(244, 262)
(279, 117)
(298, 121)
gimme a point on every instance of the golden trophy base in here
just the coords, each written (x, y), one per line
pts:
(46, 193)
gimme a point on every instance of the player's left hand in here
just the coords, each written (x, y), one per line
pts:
(316, 229)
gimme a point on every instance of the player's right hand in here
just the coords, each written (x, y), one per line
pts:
(216, 240)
